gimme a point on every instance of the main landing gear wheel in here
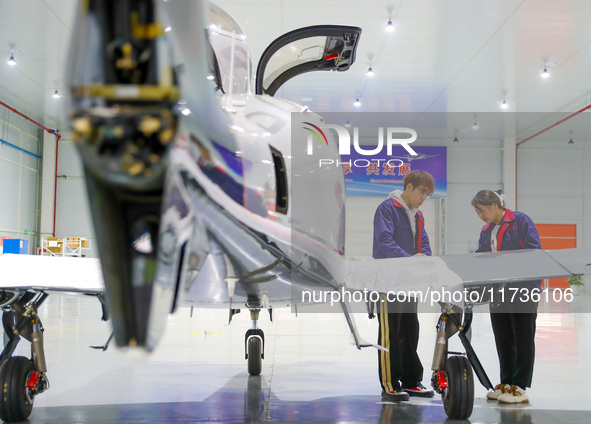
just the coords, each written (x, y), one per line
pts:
(255, 358)
(16, 402)
(458, 396)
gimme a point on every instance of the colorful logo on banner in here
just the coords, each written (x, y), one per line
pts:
(380, 176)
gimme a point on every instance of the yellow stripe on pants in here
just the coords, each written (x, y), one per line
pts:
(385, 339)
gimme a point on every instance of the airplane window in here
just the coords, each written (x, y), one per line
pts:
(281, 181)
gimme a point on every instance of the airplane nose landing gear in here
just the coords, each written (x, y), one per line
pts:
(254, 345)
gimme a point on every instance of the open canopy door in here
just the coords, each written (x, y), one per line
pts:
(315, 48)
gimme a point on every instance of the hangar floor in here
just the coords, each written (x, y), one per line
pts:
(311, 372)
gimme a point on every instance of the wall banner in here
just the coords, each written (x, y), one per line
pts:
(380, 174)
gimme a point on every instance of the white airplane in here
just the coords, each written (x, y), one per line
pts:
(199, 197)
(409, 158)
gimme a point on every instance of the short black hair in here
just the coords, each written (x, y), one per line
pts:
(417, 178)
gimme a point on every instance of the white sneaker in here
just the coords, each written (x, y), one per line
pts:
(514, 395)
(498, 391)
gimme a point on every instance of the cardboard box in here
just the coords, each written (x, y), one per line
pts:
(76, 242)
(54, 244)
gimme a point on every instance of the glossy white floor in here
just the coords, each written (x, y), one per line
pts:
(311, 371)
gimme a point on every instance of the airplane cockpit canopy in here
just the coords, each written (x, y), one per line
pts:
(231, 52)
(309, 49)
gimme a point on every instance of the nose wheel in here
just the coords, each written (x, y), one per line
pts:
(254, 340)
(255, 355)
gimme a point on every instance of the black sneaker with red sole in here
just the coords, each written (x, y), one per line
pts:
(395, 396)
(419, 391)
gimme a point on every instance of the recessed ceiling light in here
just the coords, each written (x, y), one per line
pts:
(475, 125)
(370, 72)
(11, 60)
(56, 94)
(357, 103)
(504, 105)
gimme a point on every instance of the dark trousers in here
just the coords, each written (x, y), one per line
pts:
(398, 332)
(514, 337)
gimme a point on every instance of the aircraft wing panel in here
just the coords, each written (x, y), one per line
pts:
(420, 272)
(399, 274)
(517, 265)
(577, 261)
(82, 275)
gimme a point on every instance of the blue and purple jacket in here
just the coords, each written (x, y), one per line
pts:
(517, 232)
(392, 234)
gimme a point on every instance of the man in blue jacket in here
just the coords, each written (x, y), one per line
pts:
(399, 231)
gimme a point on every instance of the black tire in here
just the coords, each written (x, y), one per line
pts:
(458, 397)
(255, 360)
(16, 402)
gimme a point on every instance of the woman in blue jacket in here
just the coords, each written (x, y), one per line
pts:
(513, 323)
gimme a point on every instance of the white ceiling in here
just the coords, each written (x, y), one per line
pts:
(445, 55)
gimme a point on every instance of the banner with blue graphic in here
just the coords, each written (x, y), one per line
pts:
(380, 174)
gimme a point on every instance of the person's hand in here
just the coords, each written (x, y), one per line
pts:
(419, 254)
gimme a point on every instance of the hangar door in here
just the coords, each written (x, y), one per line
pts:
(558, 236)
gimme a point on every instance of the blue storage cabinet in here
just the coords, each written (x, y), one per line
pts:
(17, 246)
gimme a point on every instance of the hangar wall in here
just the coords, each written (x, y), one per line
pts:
(73, 211)
(19, 177)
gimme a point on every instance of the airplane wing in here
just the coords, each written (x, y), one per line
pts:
(47, 273)
(457, 272)
(84, 275)
(468, 269)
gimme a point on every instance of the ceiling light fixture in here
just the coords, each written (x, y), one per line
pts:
(390, 26)
(11, 61)
(347, 124)
(167, 29)
(370, 72)
(56, 94)
(357, 103)
(475, 125)
(545, 73)
(504, 105)
(455, 140)
(571, 141)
